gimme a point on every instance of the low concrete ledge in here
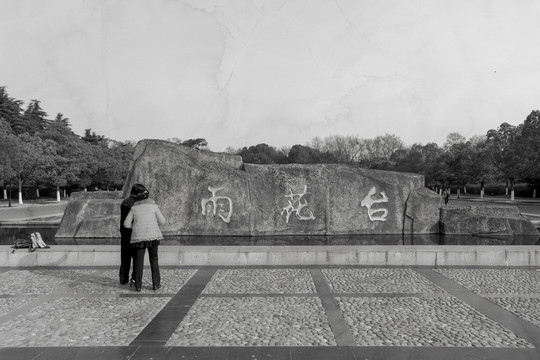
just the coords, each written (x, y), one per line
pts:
(411, 255)
(21, 212)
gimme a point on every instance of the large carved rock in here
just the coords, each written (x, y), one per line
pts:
(213, 194)
(328, 199)
(204, 193)
(422, 212)
(478, 219)
(199, 193)
(91, 215)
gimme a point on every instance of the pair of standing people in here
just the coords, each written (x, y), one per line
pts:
(140, 218)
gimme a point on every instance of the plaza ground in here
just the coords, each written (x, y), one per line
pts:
(293, 312)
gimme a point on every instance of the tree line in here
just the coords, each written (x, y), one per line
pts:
(509, 153)
(37, 150)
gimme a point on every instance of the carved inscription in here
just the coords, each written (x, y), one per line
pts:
(218, 205)
(297, 205)
(378, 214)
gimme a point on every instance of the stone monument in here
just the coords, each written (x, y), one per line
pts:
(206, 193)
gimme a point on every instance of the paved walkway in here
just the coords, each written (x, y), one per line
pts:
(272, 312)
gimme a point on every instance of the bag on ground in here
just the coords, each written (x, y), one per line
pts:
(37, 241)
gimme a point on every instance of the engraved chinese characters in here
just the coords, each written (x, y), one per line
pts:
(368, 202)
(222, 206)
(297, 206)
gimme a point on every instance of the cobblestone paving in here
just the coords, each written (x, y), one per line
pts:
(265, 307)
(83, 307)
(106, 282)
(254, 321)
(260, 281)
(81, 322)
(496, 281)
(10, 304)
(19, 282)
(378, 281)
(413, 321)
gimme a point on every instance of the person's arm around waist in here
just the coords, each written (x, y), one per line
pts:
(159, 216)
(128, 223)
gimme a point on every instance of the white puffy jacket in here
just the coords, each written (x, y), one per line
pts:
(144, 218)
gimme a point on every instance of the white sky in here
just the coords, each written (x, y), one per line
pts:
(243, 72)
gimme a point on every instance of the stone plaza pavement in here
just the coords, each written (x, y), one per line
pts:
(308, 312)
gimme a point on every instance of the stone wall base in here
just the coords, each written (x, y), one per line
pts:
(407, 255)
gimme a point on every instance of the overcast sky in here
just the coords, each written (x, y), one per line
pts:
(243, 72)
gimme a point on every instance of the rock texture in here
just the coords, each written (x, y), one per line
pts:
(422, 212)
(216, 194)
(198, 192)
(478, 219)
(91, 215)
(328, 199)
(204, 193)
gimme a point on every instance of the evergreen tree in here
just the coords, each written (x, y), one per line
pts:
(10, 109)
(33, 120)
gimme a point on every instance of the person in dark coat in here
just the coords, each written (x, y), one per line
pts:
(126, 252)
(446, 195)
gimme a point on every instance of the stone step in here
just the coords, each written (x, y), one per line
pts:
(405, 255)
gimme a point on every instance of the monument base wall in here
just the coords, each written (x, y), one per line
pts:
(407, 255)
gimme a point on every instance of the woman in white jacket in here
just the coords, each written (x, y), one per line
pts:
(144, 218)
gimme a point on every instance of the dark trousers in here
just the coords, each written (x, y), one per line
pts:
(138, 265)
(126, 254)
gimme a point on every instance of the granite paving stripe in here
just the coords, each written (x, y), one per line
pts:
(341, 330)
(392, 295)
(252, 353)
(244, 353)
(510, 321)
(448, 353)
(214, 353)
(39, 353)
(334, 353)
(105, 353)
(150, 353)
(163, 325)
(259, 295)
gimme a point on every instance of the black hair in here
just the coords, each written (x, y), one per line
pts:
(139, 191)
